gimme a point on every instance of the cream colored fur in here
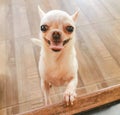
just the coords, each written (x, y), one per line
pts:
(58, 68)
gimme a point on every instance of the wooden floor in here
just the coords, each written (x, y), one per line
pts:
(98, 51)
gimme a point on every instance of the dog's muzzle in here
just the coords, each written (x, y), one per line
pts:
(57, 46)
(64, 42)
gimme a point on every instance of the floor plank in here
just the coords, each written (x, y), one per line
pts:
(113, 7)
(94, 10)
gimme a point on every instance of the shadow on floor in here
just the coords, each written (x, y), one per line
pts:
(109, 109)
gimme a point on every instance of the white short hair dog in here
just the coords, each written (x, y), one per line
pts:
(58, 64)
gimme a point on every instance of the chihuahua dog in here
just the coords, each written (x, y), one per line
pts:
(58, 64)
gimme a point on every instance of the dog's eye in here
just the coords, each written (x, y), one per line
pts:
(70, 28)
(44, 28)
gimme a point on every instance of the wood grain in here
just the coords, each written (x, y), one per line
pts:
(113, 7)
(98, 53)
(84, 103)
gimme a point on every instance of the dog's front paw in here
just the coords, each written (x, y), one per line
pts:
(69, 97)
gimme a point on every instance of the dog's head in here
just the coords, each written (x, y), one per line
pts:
(57, 28)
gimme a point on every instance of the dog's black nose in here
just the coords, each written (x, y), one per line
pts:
(56, 35)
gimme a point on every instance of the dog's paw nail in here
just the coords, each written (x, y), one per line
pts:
(69, 97)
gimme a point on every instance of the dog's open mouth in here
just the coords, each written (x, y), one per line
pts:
(57, 46)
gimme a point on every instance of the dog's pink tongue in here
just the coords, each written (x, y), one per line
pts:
(56, 47)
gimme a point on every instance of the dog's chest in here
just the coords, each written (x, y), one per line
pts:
(58, 74)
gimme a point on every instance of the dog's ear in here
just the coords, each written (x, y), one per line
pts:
(36, 41)
(75, 15)
(41, 12)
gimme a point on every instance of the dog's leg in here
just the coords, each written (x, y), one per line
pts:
(70, 92)
(45, 89)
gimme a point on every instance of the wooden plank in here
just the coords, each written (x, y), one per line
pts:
(27, 75)
(32, 73)
(19, 14)
(5, 20)
(110, 36)
(113, 7)
(11, 79)
(83, 103)
(3, 112)
(3, 75)
(94, 10)
(89, 41)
